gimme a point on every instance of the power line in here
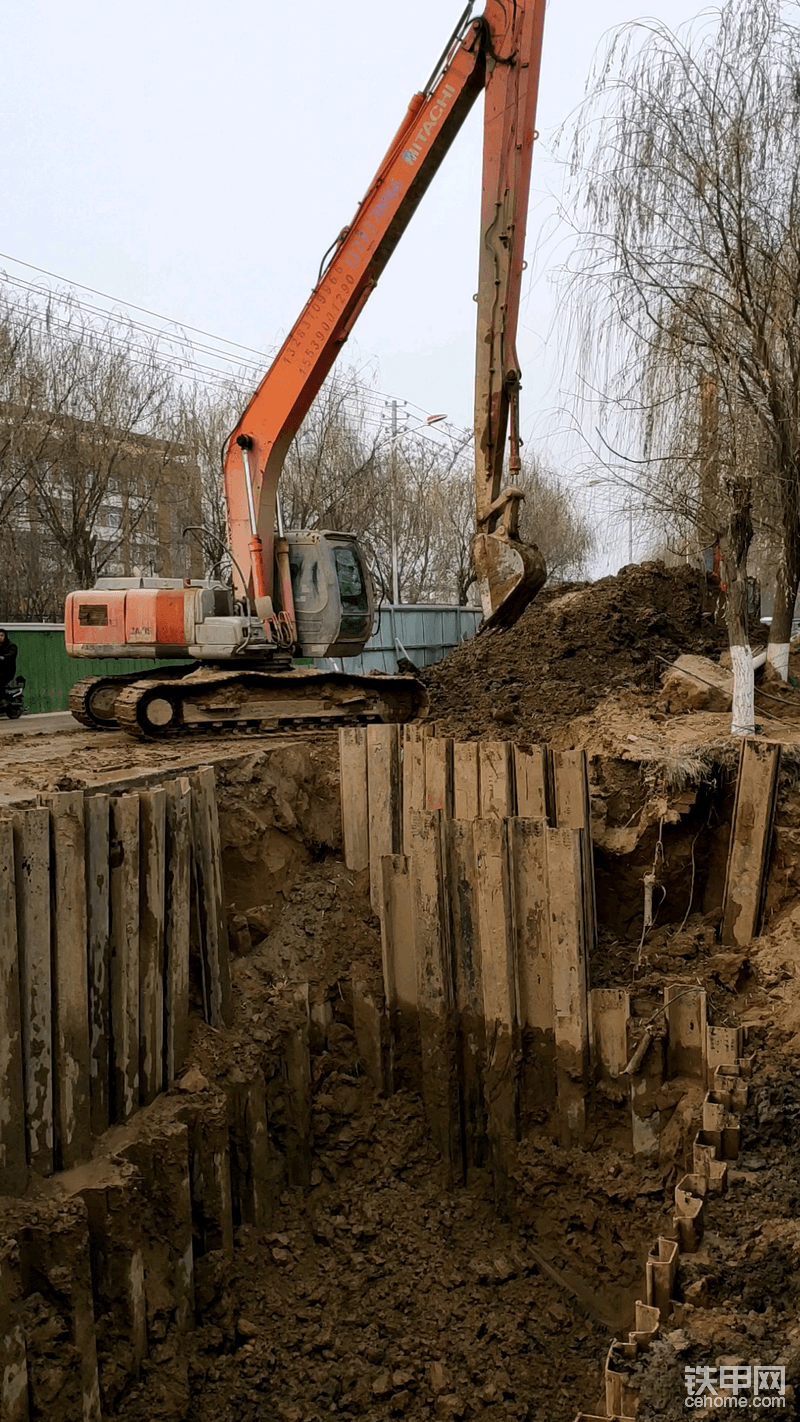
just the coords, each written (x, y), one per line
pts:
(5, 257)
(209, 375)
(160, 332)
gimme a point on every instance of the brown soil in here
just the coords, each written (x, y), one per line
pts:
(380, 1293)
(741, 1291)
(70, 760)
(573, 647)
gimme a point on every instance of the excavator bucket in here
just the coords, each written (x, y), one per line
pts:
(509, 575)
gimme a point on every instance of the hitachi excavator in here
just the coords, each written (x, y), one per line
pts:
(309, 593)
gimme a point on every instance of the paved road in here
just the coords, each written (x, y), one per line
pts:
(47, 722)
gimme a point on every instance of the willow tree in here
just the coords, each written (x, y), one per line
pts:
(684, 170)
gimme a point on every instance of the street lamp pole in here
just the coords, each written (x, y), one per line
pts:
(395, 569)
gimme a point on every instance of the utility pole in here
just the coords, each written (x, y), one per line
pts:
(392, 407)
(392, 522)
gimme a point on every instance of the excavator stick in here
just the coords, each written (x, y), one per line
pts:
(509, 572)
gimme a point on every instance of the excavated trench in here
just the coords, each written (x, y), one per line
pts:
(375, 1291)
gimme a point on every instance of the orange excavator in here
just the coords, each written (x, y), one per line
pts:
(308, 593)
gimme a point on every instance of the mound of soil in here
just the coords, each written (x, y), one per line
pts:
(571, 648)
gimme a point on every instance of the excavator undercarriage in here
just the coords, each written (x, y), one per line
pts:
(187, 700)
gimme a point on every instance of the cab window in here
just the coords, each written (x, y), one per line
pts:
(352, 591)
(308, 595)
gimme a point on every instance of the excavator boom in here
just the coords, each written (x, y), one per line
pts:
(499, 53)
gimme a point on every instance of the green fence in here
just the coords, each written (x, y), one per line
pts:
(48, 671)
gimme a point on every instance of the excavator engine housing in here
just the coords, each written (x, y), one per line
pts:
(334, 609)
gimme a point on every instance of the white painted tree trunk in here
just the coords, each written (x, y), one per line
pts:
(782, 613)
(743, 722)
(778, 658)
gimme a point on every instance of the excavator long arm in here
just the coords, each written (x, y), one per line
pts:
(498, 52)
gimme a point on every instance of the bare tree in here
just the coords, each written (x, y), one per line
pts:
(548, 519)
(551, 520)
(685, 180)
(416, 473)
(328, 476)
(345, 471)
(206, 417)
(90, 463)
(19, 386)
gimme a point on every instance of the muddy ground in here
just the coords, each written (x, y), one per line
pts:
(377, 1292)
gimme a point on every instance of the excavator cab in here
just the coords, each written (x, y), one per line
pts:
(334, 600)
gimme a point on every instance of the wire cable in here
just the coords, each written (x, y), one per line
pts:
(6, 257)
(245, 366)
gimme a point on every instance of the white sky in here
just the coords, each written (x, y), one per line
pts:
(199, 158)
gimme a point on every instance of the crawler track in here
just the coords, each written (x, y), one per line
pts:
(92, 700)
(155, 708)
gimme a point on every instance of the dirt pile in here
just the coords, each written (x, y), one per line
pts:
(572, 647)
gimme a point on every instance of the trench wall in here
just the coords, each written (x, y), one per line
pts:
(481, 871)
(121, 1190)
(104, 900)
(135, 1245)
(487, 922)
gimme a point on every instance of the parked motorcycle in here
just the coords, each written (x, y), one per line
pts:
(12, 702)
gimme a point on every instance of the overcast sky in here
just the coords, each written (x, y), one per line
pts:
(199, 158)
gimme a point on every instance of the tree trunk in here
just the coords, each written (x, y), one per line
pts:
(786, 585)
(781, 626)
(734, 546)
